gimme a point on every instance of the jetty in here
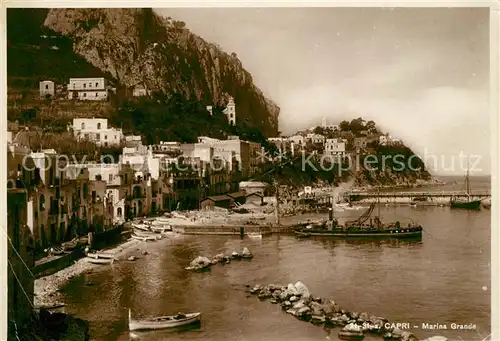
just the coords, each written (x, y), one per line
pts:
(407, 197)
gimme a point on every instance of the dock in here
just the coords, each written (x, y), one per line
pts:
(429, 197)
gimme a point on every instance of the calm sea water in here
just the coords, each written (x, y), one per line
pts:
(444, 278)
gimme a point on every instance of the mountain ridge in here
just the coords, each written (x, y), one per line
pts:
(137, 46)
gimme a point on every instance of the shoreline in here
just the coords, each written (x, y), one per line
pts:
(47, 289)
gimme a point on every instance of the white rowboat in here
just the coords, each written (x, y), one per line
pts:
(163, 321)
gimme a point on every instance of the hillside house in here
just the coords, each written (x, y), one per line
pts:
(335, 147)
(47, 88)
(88, 89)
(97, 131)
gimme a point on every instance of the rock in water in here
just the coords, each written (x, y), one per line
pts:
(292, 290)
(302, 289)
(246, 253)
(199, 263)
(436, 338)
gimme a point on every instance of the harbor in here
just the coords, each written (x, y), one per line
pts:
(157, 283)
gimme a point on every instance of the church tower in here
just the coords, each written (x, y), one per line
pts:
(230, 111)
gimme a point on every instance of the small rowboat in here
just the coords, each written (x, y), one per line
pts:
(142, 227)
(254, 235)
(163, 321)
(161, 229)
(351, 335)
(100, 255)
(100, 260)
(68, 246)
(300, 234)
(144, 239)
(152, 235)
(57, 250)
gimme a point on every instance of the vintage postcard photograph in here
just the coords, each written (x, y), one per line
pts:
(250, 173)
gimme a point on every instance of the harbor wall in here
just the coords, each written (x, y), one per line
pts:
(49, 267)
(444, 200)
(221, 229)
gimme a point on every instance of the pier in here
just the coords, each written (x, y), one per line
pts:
(430, 197)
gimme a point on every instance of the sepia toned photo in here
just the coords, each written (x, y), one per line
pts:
(258, 173)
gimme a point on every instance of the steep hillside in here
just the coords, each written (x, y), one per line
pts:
(136, 46)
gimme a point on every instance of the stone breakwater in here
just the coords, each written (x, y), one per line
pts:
(201, 263)
(296, 300)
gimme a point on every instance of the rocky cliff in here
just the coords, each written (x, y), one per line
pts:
(137, 46)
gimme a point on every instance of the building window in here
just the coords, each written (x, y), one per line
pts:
(90, 85)
(105, 137)
(84, 94)
(119, 212)
(98, 126)
(96, 84)
(46, 86)
(42, 203)
(105, 144)
(110, 177)
(96, 94)
(98, 136)
(83, 126)
(85, 85)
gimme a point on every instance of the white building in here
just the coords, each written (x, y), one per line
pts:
(388, 140)
(315, 138)
(230, 111)
(97, 131)
(47, 88)
(297, 140)
(335, 147)
(90, 89)
(210, 110)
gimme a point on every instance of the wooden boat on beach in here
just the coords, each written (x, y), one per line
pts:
(100, 260)
(143, 238)
(163, 322)
(71, 245)
(100, 255)
(161, 229)
(56, 250)
(142, 227)
(254, 235)
(152, 235)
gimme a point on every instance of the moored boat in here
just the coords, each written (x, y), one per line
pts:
(163, 321)
(144, 238)
(254, 235)
(99, 260)
(466, 203)
(363, 227)
(161, 229)
(143, 227)
(351, 335)
(100, 255)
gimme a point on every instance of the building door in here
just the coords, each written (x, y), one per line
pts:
(153, 207)
(53, 234)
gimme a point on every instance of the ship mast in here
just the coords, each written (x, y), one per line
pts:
(276, 183)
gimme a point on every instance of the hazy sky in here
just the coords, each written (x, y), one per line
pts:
(420, 74)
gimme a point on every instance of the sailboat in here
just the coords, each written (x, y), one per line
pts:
(363, 227)
(466, 203)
